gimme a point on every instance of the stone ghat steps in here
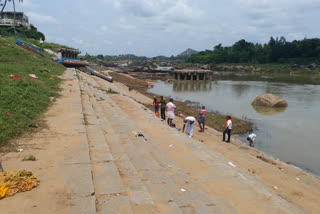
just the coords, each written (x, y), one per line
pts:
(126, 173)
(154, 177)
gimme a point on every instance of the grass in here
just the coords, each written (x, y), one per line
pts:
(110, 91)
(29, 158)
(85, 118)
(46, 45)
(24, 100)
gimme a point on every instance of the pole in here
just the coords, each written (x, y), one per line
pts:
(14, 17)
(4, 5)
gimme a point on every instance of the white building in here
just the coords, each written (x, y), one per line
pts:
(7, 20)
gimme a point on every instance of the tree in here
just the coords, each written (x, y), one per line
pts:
(100, 56)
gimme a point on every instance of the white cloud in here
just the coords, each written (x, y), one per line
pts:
(41, 19)
(78, 41)
(102, 30)
(107, 42)
(176, 11)
(27, 5)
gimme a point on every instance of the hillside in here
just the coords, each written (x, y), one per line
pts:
(187, 53)
(23, 100)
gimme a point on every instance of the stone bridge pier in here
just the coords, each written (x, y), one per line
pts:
(193, 75)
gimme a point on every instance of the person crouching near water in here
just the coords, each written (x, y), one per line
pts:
(189, 125)
(156, 105)
(163, 103)
(170, 111)
(227, 130)
(202, 118)
(251, 138)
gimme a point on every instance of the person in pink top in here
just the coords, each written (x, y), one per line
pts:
(202, 118)
(170, 111)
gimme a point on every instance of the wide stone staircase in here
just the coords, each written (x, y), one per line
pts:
(134, 175)
(127, 178)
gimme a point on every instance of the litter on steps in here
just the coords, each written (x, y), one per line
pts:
(17, 181)
(139, 134)
(3, 191)
(231, 164)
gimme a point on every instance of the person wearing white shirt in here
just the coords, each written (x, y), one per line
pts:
(251, 138)
(189, 125)
(228, 129)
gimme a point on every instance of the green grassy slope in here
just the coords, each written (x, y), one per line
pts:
(22, 101)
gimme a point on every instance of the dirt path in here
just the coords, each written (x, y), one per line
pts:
(89, 161)
(63, 162)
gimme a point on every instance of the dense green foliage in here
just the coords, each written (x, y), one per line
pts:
(23, 31)
(22, 101)
(108, 58)
(276, 51)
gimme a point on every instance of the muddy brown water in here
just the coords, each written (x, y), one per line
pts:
(291, 134)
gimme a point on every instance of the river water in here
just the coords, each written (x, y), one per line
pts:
(291, 134)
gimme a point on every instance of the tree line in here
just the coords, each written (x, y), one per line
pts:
(277, 50)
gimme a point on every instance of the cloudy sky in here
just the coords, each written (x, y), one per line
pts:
(168, 27)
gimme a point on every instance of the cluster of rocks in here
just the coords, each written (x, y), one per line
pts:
(308, 67)
(238, 68)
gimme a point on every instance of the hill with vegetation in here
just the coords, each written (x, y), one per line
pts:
(25, 99)
(275, 51)
(187, 53)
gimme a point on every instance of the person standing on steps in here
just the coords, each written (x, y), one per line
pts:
(202, 118)
(156, 105)
(170, 112)
(189, 125)
(227, 130)
(163, 103)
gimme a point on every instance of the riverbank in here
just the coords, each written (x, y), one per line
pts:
(214, 120)
(89, 144)
(291, 183)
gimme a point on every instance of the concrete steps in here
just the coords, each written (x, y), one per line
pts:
(154, 177)
(109, 189)
(152, 180)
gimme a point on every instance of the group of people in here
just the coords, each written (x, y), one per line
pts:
(189, 122)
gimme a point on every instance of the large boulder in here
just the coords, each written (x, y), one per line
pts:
(269, 100)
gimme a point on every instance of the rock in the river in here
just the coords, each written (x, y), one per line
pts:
(312, 66)
(269, 100)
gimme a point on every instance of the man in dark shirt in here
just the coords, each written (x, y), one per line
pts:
(163, 103)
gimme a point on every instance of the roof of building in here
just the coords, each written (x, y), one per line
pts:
(12, 12)
(69, 50)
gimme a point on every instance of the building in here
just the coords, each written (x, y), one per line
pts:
(7, 20)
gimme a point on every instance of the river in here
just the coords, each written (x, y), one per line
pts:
(290, 134)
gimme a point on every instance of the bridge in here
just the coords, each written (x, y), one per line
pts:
(190, 74)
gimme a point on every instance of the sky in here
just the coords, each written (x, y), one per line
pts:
(168, 27)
